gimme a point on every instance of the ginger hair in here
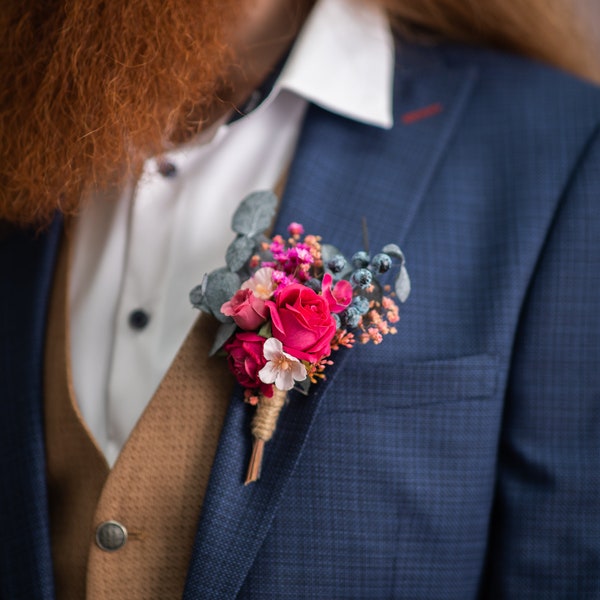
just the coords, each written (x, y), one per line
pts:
(547, 30)
(92, 87)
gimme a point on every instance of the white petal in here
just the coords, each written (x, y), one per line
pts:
(299, 371)
(261, 283)
(268, 374)
(284, 380)
(272, 349)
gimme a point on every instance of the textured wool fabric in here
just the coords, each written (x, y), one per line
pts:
(158, 483)
(156, 487)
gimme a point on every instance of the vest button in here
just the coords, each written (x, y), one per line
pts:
(111, 536)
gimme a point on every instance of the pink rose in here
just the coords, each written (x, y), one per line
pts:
(248, 310)
(245, 358)
(302, 322)
(338, 297)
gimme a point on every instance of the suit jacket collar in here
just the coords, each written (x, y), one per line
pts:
(341, 172)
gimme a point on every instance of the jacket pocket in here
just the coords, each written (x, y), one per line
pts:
(365, 385)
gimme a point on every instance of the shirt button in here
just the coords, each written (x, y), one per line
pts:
(111, 536)
(138, 319)
(167, 169)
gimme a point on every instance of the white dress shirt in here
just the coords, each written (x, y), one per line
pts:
(139, 251)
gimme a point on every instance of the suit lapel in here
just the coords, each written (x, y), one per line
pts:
(26, 265)
(342, 171)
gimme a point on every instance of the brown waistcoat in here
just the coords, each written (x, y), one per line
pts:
(158, 483)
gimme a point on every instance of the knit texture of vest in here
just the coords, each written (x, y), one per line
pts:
(156, 488)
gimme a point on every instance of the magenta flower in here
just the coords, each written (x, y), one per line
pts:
(302, 322)
(339, 296)
(245, 359)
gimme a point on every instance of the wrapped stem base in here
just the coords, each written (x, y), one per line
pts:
(263, 427)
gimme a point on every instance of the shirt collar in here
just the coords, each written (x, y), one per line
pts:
(343, 61)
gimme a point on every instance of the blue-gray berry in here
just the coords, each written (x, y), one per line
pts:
(337, 320)
(360, 259)
(361, 278)
(337, 263)
(381, 263)
(361, 304)
(314, 284)
(352, 317)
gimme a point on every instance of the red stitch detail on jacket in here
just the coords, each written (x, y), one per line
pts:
(422, 113)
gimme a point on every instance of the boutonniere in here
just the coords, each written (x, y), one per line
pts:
(285, 304)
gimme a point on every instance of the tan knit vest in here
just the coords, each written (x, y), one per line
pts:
(155, 489)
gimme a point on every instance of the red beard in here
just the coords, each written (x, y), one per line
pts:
(91, 88)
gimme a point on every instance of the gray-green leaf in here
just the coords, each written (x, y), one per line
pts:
(197, 295)
(239, 252)
(394, 251)
(221, 285)
(265, 330)
(225, 331)
(402, 285)
(328, 251)
(255, 213)
(303, 386)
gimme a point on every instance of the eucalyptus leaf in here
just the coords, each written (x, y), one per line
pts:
(261, 238)
(394, 251)
(221, 285)
(266, 330)
(328, 251)
(224, 332)
(255, 213)
(239, 252)
(303, 386)
(402, 285)
(197, 295)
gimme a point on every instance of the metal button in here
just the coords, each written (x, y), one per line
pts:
(111, 536)
(138, 319)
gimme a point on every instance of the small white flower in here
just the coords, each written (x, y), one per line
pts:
(281, 369)
(261, 283)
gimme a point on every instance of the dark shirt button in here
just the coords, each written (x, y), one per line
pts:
(167, 169)
(111, 536)
(138, 319)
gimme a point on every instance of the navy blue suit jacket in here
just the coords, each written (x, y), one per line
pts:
(460, 458)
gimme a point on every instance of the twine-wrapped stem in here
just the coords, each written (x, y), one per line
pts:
(263, 427)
